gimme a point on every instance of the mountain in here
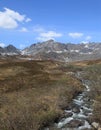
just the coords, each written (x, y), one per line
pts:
(52, 50)
(9, 50)
(63, 52)
(1, 50)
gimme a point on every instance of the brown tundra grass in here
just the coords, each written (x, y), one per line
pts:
(33, 93)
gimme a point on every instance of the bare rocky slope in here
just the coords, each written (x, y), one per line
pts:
(9, 50)
(57, 51)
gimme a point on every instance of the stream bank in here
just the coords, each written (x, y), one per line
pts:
(78, 113)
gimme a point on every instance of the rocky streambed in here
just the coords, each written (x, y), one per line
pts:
(76, 117)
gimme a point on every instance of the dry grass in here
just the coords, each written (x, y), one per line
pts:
(33, 93)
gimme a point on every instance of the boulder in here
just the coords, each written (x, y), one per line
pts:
(65, 115)
(95, 125)
(76, 109)
(68, 114)
(75, 123)
(87, 129)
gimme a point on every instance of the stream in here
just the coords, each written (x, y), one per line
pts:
(77, 115)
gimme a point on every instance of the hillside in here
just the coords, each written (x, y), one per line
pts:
(52, 50)
(64, 52)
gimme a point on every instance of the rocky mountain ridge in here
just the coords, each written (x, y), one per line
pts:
(57, 51)
(9, 50)
(64, 52)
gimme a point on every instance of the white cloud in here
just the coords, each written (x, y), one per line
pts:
(84, 42)
(2, 45)
(10, 19)
(50, 34)
(23, 29)
(28, 20)
(75, 35)
(43, 36)
(38, 29)
(88, 38)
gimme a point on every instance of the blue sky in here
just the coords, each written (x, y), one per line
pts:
(24, 22)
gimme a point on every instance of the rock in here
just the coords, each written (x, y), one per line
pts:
(99, 128)
(86, 129)
(75, 123)
(69, 107)
(76, 109)
(68, 114)
(90, 119)
(95, 125)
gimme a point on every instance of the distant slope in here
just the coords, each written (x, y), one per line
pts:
(64, 52)
(57, 51)
(9, 50)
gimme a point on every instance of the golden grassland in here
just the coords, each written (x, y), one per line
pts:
(34, 93)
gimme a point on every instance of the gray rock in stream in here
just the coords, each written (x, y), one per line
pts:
(67, 114)
(76, 109)
(75, 123)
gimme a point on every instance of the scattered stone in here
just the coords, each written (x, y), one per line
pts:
(86, 129)
(90, 119)
(95, 125)
(69, 107)
(75, 123)
(68, 114)
(76, 109)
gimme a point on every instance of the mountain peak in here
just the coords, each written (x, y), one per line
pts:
(10, 46)
(50, 41)
(11, 49)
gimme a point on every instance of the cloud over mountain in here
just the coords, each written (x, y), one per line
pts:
(75, 35)
(43, 36)
(2, 45)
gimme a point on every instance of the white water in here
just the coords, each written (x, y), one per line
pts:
(79, 101)
(67, 120)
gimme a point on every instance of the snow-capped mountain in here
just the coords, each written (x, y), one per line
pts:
(64, 52)
(57, 51)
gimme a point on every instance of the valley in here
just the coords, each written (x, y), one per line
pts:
(50, 65)
(35, 94)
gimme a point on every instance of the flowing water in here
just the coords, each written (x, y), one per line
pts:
(79, 112)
